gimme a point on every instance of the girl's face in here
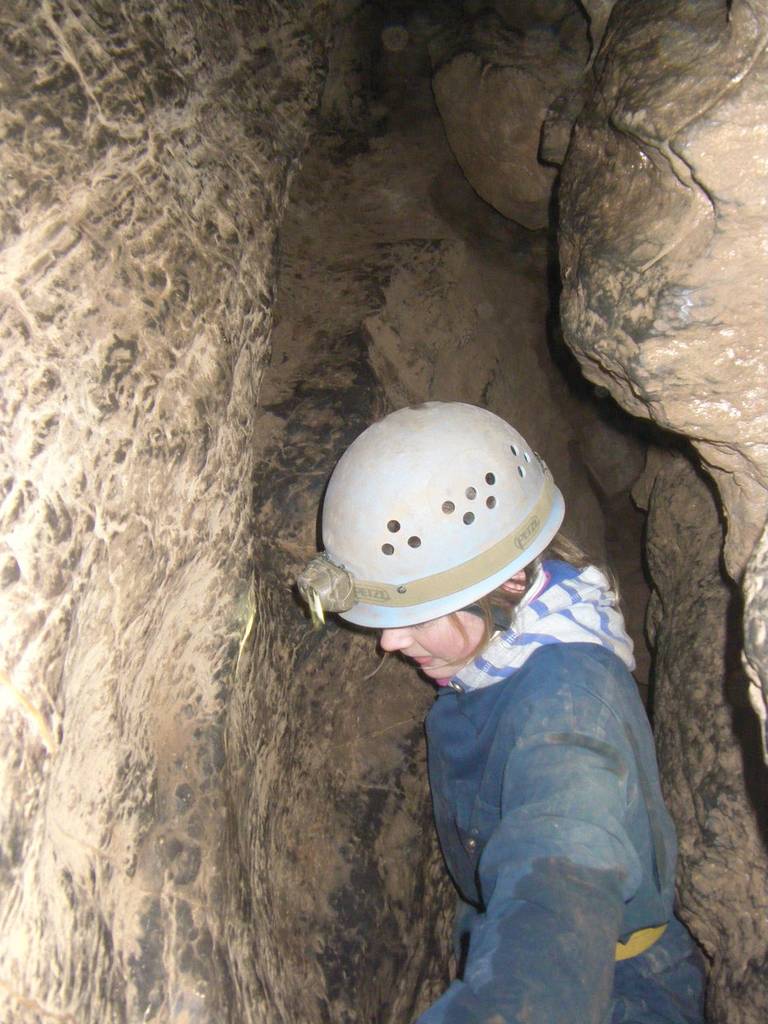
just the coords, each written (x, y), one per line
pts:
(440, 647)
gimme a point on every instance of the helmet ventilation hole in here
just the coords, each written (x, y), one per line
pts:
(513, 449)
(527, 456)
(387, 549)
(521, 471)
(448, 507)
(471, 493)
(414, 542)
(490, 478)
(393, 526)
(490, 502)
(468, 517)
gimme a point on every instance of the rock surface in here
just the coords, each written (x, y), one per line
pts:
(146, 155)
(708, 740)
(664, 240)
(598, 11)
(493, 96)
(756, 633)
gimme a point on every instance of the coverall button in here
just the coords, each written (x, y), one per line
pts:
(471, 844)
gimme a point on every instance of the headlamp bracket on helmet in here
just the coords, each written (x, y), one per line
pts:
(326, 587)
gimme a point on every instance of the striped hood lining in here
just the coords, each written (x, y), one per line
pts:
(563, 605)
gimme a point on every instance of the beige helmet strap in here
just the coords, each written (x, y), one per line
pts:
(451, 581)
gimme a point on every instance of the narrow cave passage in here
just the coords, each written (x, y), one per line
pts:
(398, 284)
(234, 234)
(388, 253)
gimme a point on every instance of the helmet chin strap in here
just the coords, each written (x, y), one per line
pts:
(501, 615)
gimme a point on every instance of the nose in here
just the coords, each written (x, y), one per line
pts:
(395, 639)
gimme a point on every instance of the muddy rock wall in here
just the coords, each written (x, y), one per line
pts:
(663, 262)
(209, 811)
(498, 71)
(673, 292)
(707, 735)
(147, 150)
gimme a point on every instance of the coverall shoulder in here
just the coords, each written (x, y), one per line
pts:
(552, 824)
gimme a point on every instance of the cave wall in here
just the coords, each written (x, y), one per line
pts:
(672, 291)
(707, 736)
(146, 155)
(208, 811)
(664, 262)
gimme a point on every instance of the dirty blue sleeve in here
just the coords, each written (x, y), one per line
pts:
(555, 872)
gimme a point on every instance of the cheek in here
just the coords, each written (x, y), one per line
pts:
(473, 630)
(456, 644)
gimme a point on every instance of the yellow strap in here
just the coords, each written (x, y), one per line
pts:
(316, 609)
(451, 581)
(638, 942)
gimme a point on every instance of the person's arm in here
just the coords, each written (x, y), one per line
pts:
(554, 876)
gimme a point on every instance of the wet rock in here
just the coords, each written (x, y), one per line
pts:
(146, 155)
(598, 11)
(663, 268)
(493, 95)
(613, 453)
(708, 739)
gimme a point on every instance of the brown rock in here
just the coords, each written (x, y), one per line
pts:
(662, 244)
(598, 12)
(708, 741)
(145, 160)
(493, 101)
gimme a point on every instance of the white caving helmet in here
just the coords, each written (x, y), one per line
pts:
(427, 511)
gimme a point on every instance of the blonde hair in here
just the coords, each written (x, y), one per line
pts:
(561, 549)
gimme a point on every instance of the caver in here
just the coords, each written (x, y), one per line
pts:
(440, 527)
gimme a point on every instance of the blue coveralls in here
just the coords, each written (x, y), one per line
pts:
(552, 824)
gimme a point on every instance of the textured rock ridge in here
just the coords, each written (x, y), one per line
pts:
(663, 237)
(708, 739)
(598, 11)
(147, 151)
(494, 86)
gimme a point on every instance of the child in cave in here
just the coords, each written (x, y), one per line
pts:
(440, 527)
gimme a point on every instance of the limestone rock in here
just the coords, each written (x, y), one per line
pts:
(347, 87)
(708, 741)
(146, 156)
(613, 454)
(663, 236)
(344, 876)
(493, 98)
(598, 11)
